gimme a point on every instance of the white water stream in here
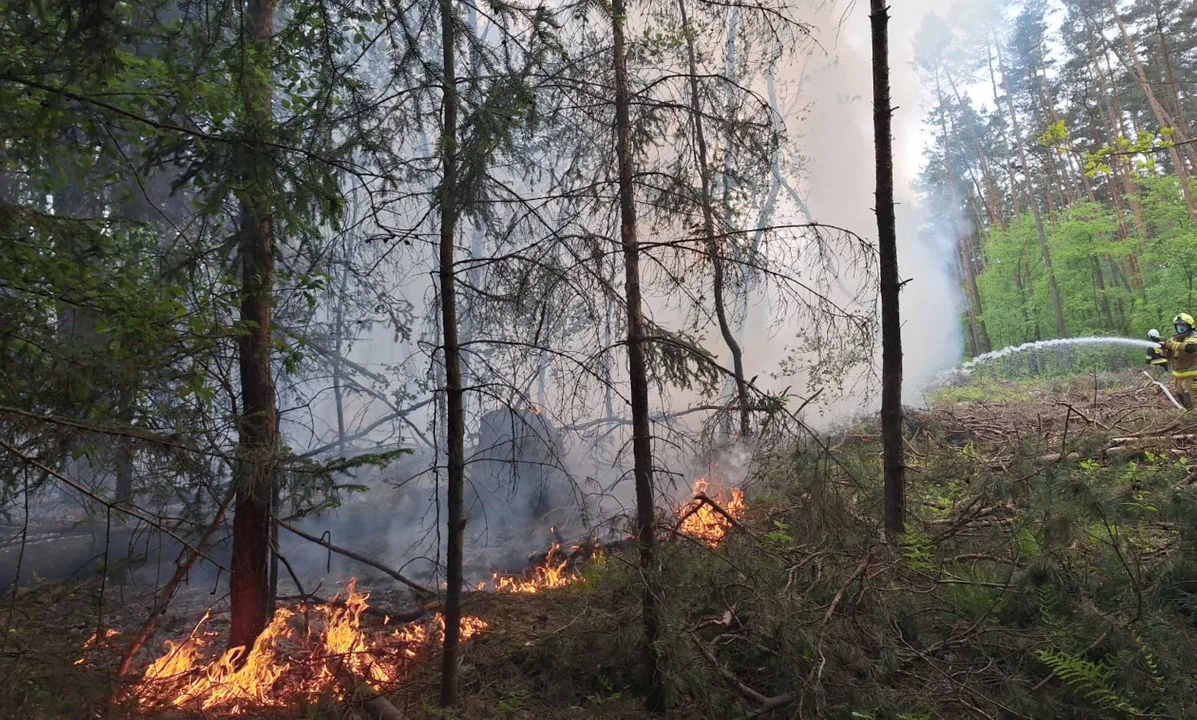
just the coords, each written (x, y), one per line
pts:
(988, 357)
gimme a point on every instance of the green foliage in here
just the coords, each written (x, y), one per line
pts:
(1094, 680)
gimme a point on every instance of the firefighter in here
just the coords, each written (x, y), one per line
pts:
(1155, 353)
(1181, 351)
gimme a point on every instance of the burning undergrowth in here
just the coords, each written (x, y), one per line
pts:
(309, 651)
(313, 650)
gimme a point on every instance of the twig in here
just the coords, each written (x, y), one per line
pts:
(354, 556)
(125, 507)
(816, 672)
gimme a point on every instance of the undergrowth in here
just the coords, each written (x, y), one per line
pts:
(1024, 587)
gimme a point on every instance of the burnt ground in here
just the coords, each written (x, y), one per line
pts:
(976, 457)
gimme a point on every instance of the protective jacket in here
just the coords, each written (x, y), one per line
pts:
(1181, 351)
(1156, 356)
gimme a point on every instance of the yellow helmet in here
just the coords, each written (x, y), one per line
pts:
(1183, 319)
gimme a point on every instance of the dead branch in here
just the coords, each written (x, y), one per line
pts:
(766, 703)
(359, 690)
(359, 558)
(817, 671)
(1153, 439)
(400, 617)
(121, 507)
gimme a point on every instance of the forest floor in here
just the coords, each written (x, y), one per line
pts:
(1049, 571)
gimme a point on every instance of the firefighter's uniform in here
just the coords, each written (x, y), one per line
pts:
(1181, 351)
(1155, 356)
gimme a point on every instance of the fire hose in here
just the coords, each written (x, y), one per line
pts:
(1160, 385)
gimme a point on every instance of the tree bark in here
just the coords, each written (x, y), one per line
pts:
(1179, 153)
(258, 430)
(455, 434)
(891, 318)
(1099, 283)
(708, 227)
(1005, 140)
(652, 678)
(1053, 289)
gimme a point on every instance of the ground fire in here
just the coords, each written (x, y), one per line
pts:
(307, 652)
(550, 574)
(701, 521)
(310, 649)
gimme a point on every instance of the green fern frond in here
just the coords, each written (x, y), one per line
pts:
(1093, 680)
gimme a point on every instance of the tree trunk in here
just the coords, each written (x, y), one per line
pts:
(1053, 289)
(708, 227)
(887, 246)
(258, 430)
(977, 323)
(993, 200)
(1181, 124)
(652, 678)
(1162, 116)
(1113, 102)
(1005, 139)
(455, 434)
(1099, 284)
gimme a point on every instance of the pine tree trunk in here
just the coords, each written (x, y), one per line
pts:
(258, 431)
(1053, 288)
(891, 318)
(455, 435)
(993, 201)
(1117, 128)
(1162, 116)
(652, 675)
(1005, 140)
(1099, 283)
(1170, 76)
(708, 227)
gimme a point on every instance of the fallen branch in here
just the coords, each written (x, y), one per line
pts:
(1164, 389)
(359, 690)
(1056, 457)
(359, 558)
(816, 672)
(1153, 438)
(120, 507)
(399, 617)
(766, 703)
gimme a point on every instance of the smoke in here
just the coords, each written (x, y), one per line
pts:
(837, 135)
(827, 99)
(826, 96)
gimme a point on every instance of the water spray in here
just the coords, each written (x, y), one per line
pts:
(988, 357)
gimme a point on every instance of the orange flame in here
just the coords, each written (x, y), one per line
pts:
(544, 577)
(94, 640)
(703, 522)
(296, 659)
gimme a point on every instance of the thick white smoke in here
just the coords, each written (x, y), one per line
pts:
(837, 135)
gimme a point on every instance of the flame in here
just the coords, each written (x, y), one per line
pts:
(96, 639)
(544, 577)
(703, 522)
(296, 659)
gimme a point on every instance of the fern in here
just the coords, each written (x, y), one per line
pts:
(1093, 680)
(1153, 667)
(917, 548)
